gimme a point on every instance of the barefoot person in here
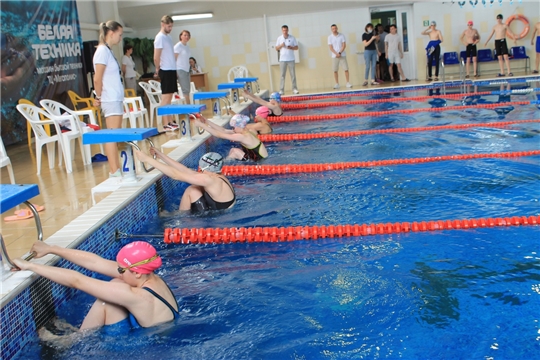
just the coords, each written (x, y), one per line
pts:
(501, 48)
(433, 49)
(109, 91)
(261, 125)
(135, 297)
(273, 104)
(252, 147)
(470, 38)
(537, 33)
(209, 190)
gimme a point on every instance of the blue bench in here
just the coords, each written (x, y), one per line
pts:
(12, 195)
(448, 59)
(519, 53)
(214, 96)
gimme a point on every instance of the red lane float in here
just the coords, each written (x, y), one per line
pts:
(375, 101)
(279, 119)
(294, 233)
(242, 170)
(291, 137)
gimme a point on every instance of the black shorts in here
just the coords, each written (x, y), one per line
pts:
(471, 50)
(168, 81)
(500, 47)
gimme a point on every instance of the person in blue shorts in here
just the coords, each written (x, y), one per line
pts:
(135, 297)
(537, 33)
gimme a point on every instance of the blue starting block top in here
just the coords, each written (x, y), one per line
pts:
(13, 195)
(118, 135)
(209, 95)
(230, 86)
(180, 109)
(246, 79)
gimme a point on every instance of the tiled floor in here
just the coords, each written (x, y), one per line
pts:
(67, 196)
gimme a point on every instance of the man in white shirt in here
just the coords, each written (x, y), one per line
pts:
(286, 44)
(337, 44)
(182, 53)
(166, 68)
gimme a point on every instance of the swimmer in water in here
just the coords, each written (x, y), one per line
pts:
(135, 297)
(209, 190)
(261, 124)
(252, 147)
(273, 104)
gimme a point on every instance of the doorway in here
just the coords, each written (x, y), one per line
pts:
(400, 16)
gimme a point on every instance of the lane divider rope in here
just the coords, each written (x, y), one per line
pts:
(294, 233)
(310, 136)
(242, 170)
(401, 99)
(281, 119)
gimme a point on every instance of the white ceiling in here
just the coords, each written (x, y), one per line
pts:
(144, 14)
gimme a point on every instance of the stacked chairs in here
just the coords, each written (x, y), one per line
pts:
(80, 103)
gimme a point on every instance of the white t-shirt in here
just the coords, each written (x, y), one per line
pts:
(393, 41)
(167, 60)
(112, 85)
(337, 43)
(284, 53)
(130, 67)
(184, 53)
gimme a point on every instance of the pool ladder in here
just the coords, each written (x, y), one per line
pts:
(462, 85)
(3, 251)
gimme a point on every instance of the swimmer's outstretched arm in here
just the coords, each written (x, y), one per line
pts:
(220, 132)
(256, 99)
(117, 292)
(82, 258)
(201, 120)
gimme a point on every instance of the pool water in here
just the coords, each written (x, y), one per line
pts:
(463, 294)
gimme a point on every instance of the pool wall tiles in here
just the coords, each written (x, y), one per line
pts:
(37, 304)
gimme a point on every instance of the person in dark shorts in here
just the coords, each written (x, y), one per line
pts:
(470, 38)
(501, 48)
(135, 297)
(208, 190)
(165, 62)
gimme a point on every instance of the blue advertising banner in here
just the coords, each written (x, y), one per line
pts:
(41, 58)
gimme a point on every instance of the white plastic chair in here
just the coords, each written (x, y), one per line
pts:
(156, 85)
(154, 98)
(192, 90)
(5, 161)
(32, 114)
(59, 110)
(135, 110)
(178, 97)
(239, 71)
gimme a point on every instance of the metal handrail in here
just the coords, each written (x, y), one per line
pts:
(3, 252)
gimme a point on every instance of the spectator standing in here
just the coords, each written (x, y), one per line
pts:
(394, 51)
(182, 53)
(382, 65)
(128, 69)
(166, 68)
(286, 44)
(370, 53)
(337, 45)
(501, 48)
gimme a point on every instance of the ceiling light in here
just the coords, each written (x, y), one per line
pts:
(192, 16)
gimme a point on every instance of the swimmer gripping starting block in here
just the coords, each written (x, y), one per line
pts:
(11, 196)
(233, 87)
(248, 81)
(128, 160)
(182, 110)
(214, 96)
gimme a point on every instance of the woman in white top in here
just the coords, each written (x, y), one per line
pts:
(128, 69)
(194, 68)
(182, 53)
(108, 87)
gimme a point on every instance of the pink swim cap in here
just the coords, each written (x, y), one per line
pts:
(139, 256)
(239, 120)
(262, 111)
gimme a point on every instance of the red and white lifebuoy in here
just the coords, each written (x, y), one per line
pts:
(525, 22)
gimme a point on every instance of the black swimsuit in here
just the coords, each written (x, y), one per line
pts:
(205, 202)
(252, 154)
(273, 114)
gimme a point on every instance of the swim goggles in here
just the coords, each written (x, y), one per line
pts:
(122, 270)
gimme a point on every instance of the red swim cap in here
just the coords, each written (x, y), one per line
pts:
(262, 111)
(139, 256)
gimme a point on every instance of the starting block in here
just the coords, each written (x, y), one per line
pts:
(248, 81)
(12, 195)
(128, 160)
(214, 96)
(233, 87)
(185, 127)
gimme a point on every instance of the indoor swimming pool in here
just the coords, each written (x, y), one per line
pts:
(460, 294)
